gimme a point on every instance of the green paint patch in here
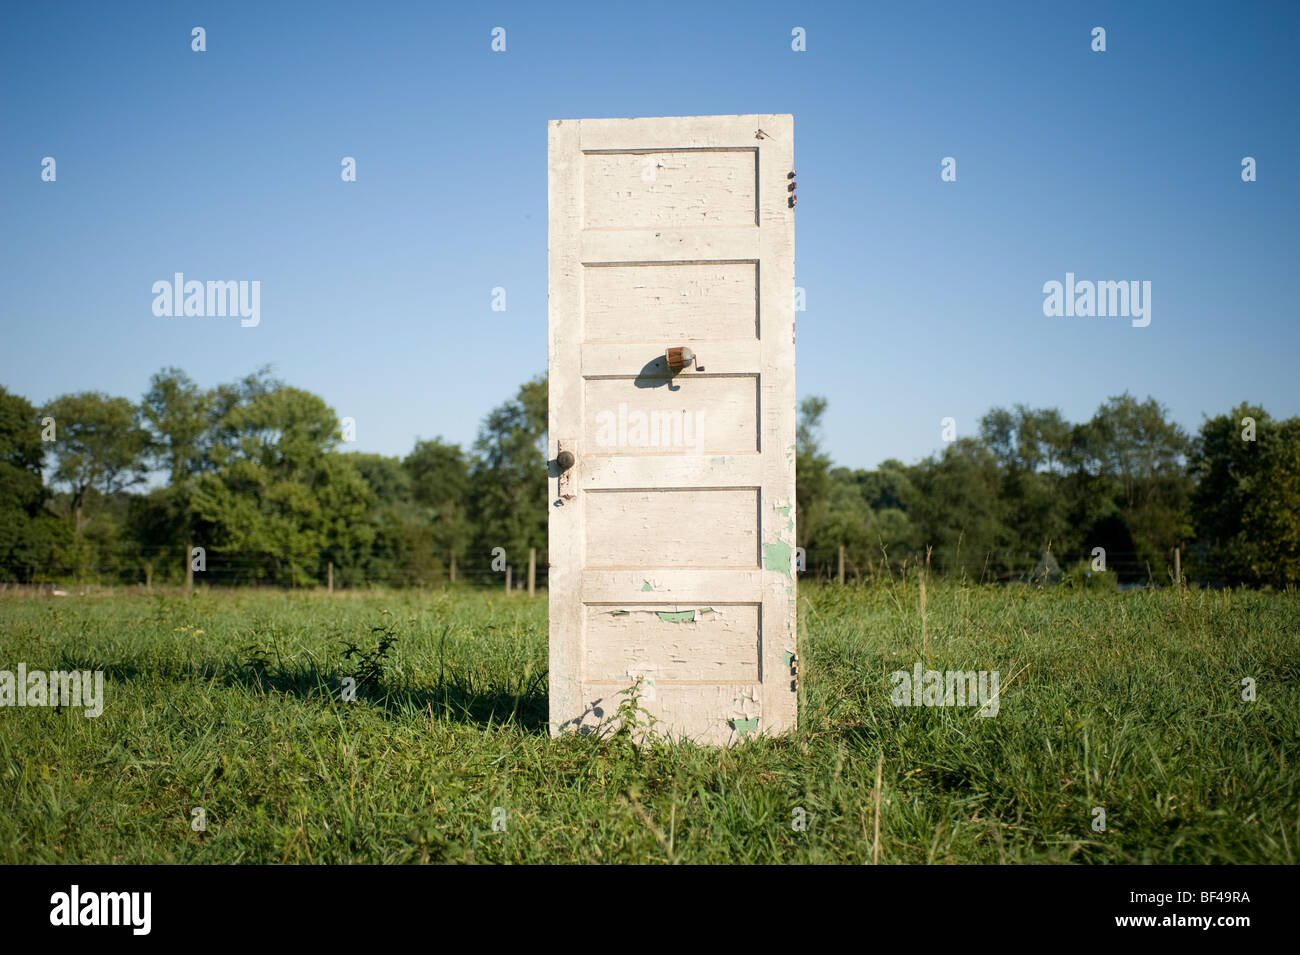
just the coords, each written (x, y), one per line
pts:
(677, 616)
(777, 556)
(785, 512)
(646, 586)
(745, 727)
(787, 658)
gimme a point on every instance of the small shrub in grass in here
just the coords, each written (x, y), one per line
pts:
(369, 666)
(631, 721)
(1082, 576)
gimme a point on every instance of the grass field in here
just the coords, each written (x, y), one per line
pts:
(230, 702)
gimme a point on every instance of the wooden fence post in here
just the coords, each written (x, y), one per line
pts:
(189, 568)
(840, 573)
(507, 580)
(1178, 566)
(532, 570)
(331, 577)
(453, 568)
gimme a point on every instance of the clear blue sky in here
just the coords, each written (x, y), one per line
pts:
(924, 297)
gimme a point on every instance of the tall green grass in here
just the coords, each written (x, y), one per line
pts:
(231, 702)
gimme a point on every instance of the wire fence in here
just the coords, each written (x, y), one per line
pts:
(853, 565)
(151, 568)
(165, 568)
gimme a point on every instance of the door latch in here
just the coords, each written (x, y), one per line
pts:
(564, 461)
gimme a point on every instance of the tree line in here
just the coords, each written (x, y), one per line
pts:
(256, 474)
(1122, 491)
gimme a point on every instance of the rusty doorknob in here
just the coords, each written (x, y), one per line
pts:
(679, 358)
(565, 460)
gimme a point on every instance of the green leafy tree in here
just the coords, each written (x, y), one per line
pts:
(1029, 446)
(508, 476)
(178, 415)
(1226, 463)
(1131, 456)
(1271, 521)
(99, 444)
(277, 503)
(959, 511)
(1246, 499)
(402, 550)
(100, 448)
(30, 536)
(844, 520)
(440, 485)
(812, 479)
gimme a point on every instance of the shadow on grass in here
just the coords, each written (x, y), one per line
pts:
(454, 699)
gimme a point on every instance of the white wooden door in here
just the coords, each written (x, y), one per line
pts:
(672, 532)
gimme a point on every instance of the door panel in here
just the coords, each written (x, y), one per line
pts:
(674, 645)
(716, 415)
(672, 527)
(643, 189)
(698, 300)
(672, 534)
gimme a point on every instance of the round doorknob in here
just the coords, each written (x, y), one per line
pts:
(679, 358)
(565, 460)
